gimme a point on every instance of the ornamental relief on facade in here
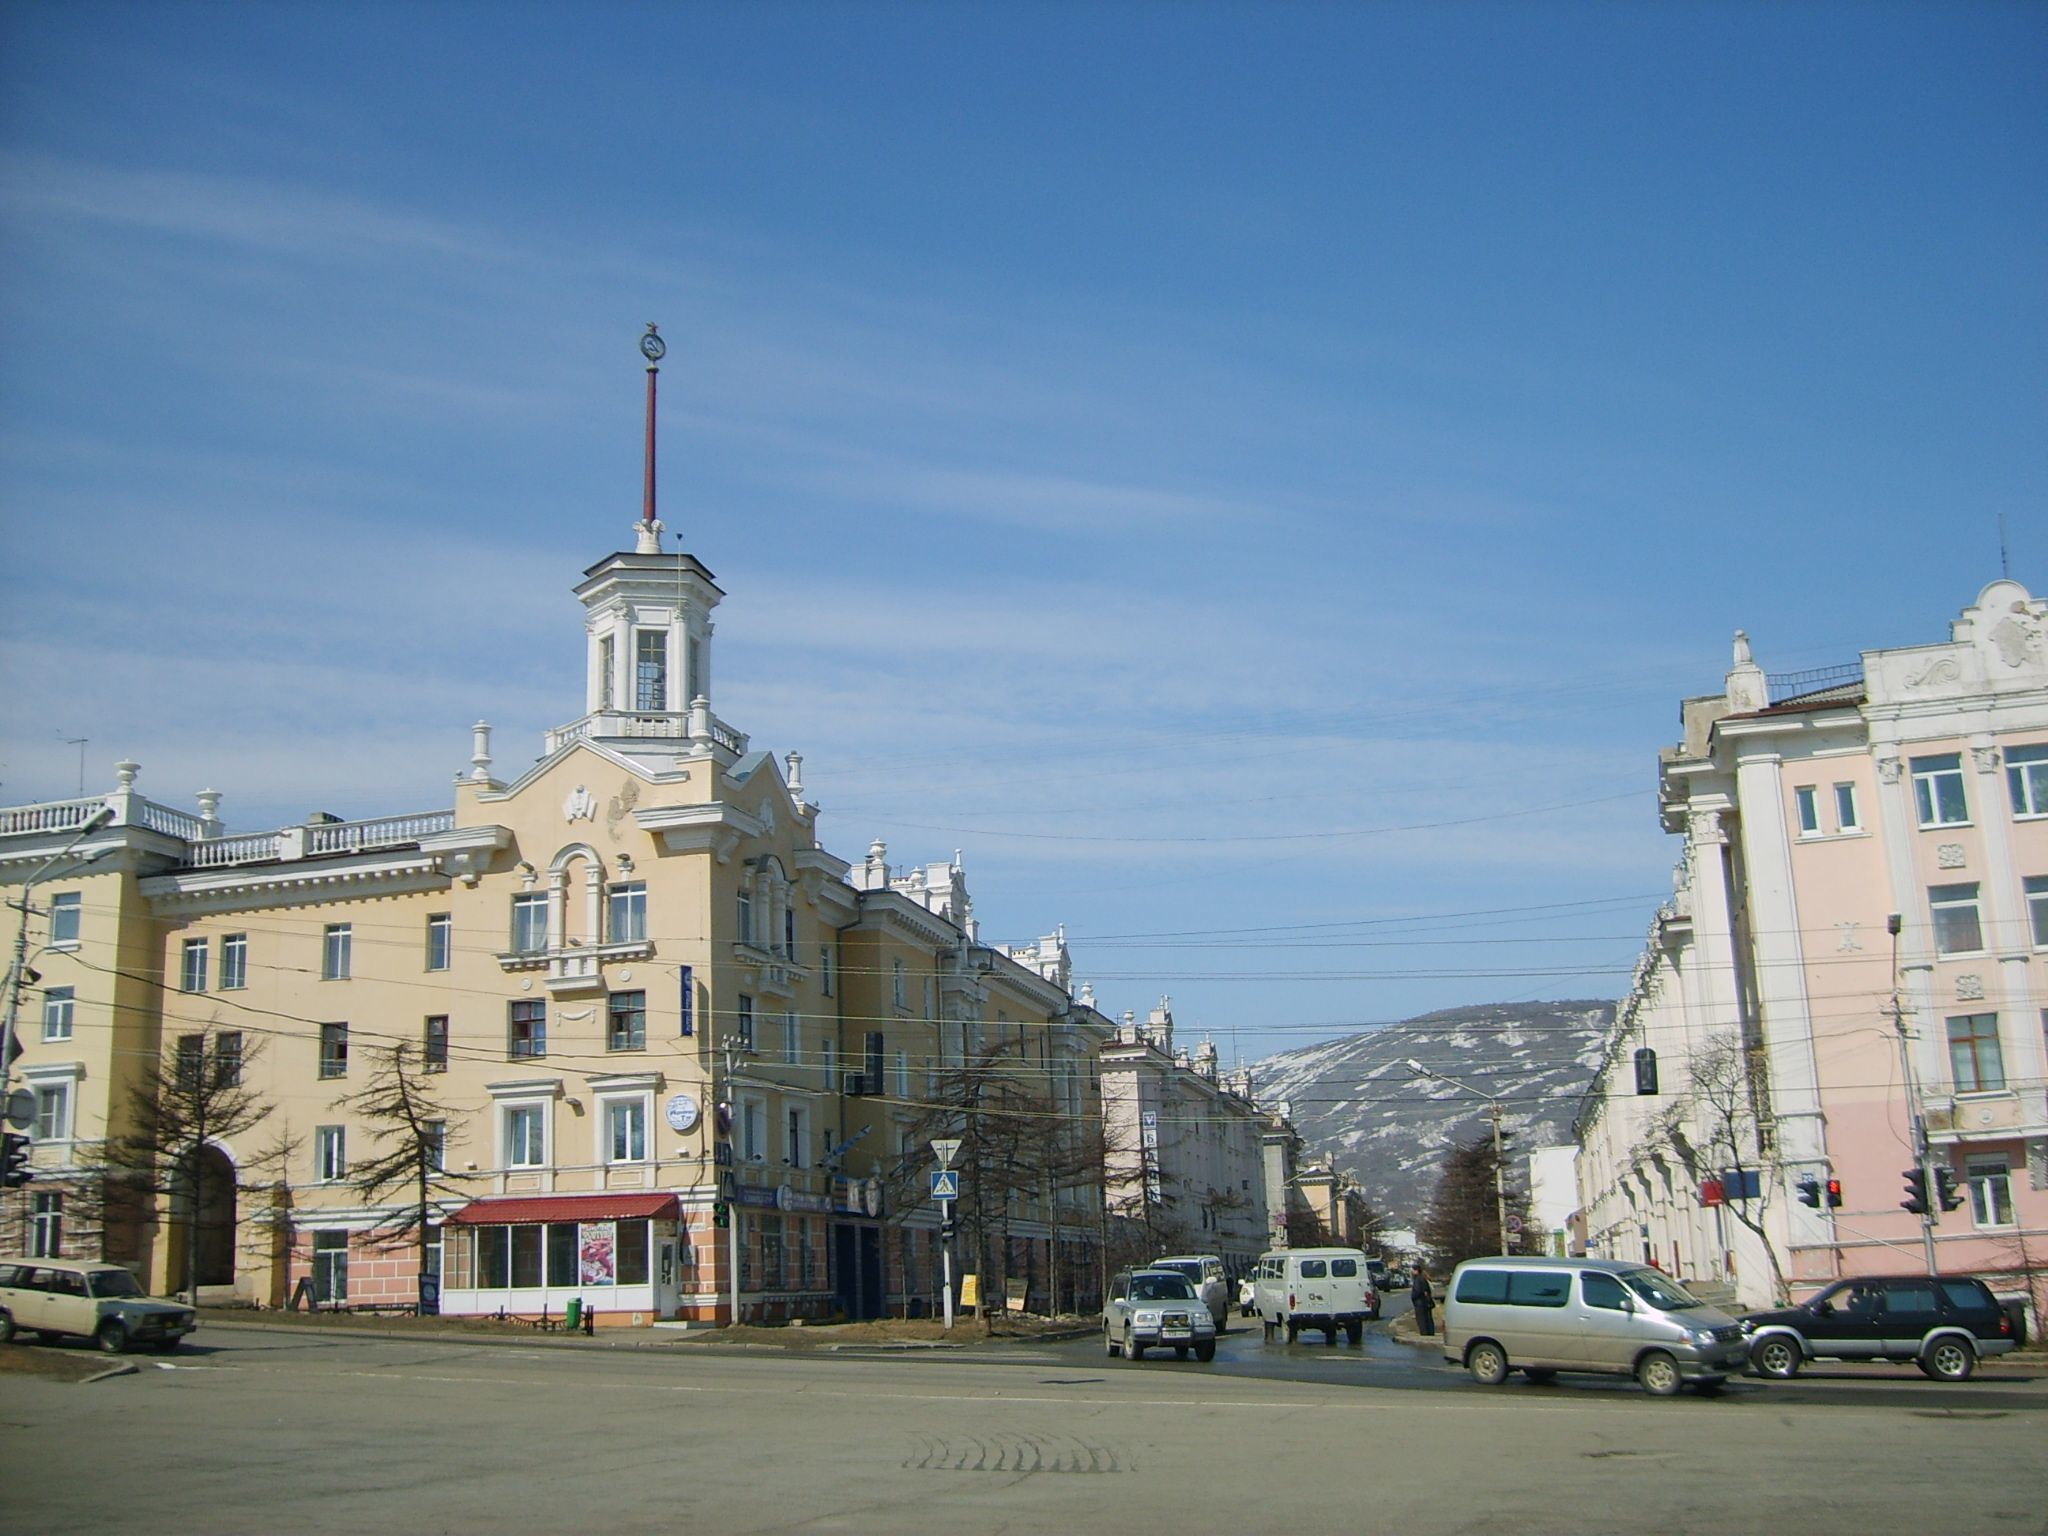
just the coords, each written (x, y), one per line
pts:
(1951, 856)
(1889, 769)
(2018, 640)
(1970, 989)
(1937, 672)
(580, 805)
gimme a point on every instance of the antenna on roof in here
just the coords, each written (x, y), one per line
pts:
(2004, 564)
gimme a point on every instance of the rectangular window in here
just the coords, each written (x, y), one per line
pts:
(1806, 800)
(2037, 909)
(561, 1244)
(825, 969)
(46, 1230)
(753, 1131)
(527, 1029)
(334, 1050)
(434, 1141)
(903, 1074)
(192, 972)
(650, 670)
(830, 1056)
(606, 651)
(797, 1145)
(440, 941)
(330, 1153)
(525, 1137)
(330, 1267)
(2026, 775)
(627, 1012)
(191, 1061)
(626, 1125)
(792, 1040)
(743, 1026)
(57, 1005)
(744, 915)
(896, 993)
(1938, 790)
(234, 962)
(626, 917)
(789, 932)
(1845, 808)
(1957, 930)
(335, 952)
(530, 923)
(227, 1059)
(873, 1067)
(53, 1112)
(65, 908)
(1973, 1053)
(434, 1047)
(1991, 1191)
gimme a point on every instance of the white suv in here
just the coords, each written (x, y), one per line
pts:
(87, 1300)
(1205, 1271)
(1156, 1309)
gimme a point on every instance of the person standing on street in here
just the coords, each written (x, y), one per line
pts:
(1423, 1299)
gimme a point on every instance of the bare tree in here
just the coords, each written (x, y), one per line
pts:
(184, 1105)
(1714, 1129)
(415, 1131)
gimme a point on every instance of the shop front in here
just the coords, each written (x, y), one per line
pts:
(614, 1255)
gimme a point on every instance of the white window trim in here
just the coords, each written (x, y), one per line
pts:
(1805, 804)
(1975, 903)
(605, 1104)
(2007, 764)
(1914, 776)
(758, 1105)
(1973, 1169)
(321, 1173)
(70, 1016)
(523, 1093)
(59, 1074)
(506, 1110)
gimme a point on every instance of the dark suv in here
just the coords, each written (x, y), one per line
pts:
(1941, 1323)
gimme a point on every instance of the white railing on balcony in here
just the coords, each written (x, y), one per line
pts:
(161, 818)
(621, 725)
(380, 832)
(249, 848)
(50, 816)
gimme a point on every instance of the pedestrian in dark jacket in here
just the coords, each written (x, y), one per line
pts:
(1423, 1299)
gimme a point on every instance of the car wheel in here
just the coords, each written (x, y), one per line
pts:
(1775, 1357)
(1206, 1351)
(1109, 1343)
(112, 1337)
(1269, 1330)
(1355, 1332)
(1658, 1373)
(1539, 1374)
(6, 1327)
(1330, 1335)
(1949, 1360)
(1293, 1330)
(1488, 1363)
(1133, 1350)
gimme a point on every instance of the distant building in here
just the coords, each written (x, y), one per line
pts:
(1856, 949)
(1554, 1196)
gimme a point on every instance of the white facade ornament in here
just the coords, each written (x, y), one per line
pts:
(647, 537)
(2017, 639)
(1937, 671)
(580, 805)
(480, 752)
(1849, 941)
(1890, 769)
(1951, 856)
(1986, 759)
(1970, 989)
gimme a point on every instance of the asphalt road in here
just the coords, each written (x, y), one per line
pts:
(262, 1430)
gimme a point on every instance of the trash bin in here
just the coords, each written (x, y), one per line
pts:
(574, 1318)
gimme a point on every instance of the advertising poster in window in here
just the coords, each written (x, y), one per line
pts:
(597, 1249)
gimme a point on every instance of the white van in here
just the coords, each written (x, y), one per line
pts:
(1205, 1272)
(1326, 1288)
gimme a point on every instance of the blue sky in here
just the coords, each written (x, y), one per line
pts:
(1256, 478)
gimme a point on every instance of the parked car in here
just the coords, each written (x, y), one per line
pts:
(1395, 1278)
(1156, 1308)
(1543, 1316)
(1205, 1272)
(83, 1299)
(1325, 1288)
(1942, 1323)
(1247, 1294)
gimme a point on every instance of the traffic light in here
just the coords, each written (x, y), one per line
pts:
(721, 1214)
(1809, 1190)
(1945, 1189)
(14, 1152)
(1916, 1191)
(1834, 1194)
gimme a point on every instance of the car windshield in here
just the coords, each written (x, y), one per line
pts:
(1660, 1291)
(114, 1282)
(1191, 1269)
(1161, 1288)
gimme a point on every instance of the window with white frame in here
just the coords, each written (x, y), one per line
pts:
(1938, 790)
(903, 1074)
(53, 1112)
(526, 1028)
(440, 940)
(753, 1131)
(650, 669)
(2037, 909)
(58, 1003)
(1990, 1191)
(227, 1059)
(192, 967)
(434, 1044)
(434, 1142)
(1957, 927)
(825, 969)
(743, 1024)
(334, 1050)
(530, 923)
(796, 1148)
(234, 962)
(626, 913)
(330, 1153)
(1846, 817)
(792, 1038)
(525, 1135)
(2026, 775)
(336, 946)
(607, 649)
(1806, 803)
(330, 1266)
(1974, 1057)
(897, 992)
(625, 1123)
(46, 1227)
(626, 1022)
(65, 909)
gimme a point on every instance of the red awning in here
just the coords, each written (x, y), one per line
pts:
(530, 1208)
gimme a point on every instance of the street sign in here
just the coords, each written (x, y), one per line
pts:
(945, 1184)
(21, 1109)
(946, 1149)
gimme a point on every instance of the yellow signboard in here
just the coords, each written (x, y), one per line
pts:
(970, 1290)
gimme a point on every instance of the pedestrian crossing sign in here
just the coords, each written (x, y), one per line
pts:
(945, 1184)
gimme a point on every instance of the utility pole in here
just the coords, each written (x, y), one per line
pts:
(1892, 924)
(1500, 1172)
(729, 1108)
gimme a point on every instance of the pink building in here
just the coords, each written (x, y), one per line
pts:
(1851, 977)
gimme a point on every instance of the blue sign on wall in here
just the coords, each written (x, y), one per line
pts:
(945, 1184)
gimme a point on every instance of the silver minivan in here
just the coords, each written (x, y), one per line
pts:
(1544, 1316)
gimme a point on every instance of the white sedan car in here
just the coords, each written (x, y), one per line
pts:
(1156, 1309)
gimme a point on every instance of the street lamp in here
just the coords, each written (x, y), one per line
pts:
(1493, 1110)
(18, 971)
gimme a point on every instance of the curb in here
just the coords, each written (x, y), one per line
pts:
(125, 1368)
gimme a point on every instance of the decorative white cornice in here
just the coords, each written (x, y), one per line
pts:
(188, 892)
(716, 827)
